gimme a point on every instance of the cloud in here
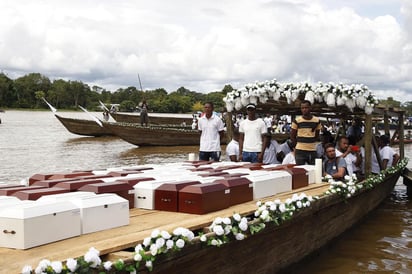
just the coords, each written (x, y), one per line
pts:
(203, 46)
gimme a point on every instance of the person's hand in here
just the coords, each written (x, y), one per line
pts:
(240, 157)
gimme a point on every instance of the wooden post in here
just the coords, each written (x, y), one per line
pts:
(229, 127)
(386, 123)
(368, 145)
(401, 134)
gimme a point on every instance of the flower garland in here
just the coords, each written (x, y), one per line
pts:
(355, 95)
(221, 231)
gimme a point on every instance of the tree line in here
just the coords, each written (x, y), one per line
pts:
(26, 92)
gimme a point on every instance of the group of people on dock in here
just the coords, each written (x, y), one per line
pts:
(252, 142)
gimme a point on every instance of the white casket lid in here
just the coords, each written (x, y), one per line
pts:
(36, 208)
(98, 200)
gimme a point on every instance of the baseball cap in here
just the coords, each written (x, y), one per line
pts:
(251, 106)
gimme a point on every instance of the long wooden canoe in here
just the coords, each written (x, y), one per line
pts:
(83, 127)
(271, 250)
(154, 118)
(154, 135)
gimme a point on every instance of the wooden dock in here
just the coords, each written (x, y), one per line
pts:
(113, 242)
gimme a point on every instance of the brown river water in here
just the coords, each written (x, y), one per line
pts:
(35, 142)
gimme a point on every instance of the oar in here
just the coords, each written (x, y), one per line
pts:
(53, 109)
(104, 106)
(93, 117)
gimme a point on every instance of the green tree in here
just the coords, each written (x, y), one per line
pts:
(7, 92)
(26, 87)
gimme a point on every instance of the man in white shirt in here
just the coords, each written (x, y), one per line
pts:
(252, 140)
(388, 156)
(232, 149)
(211, 128)
(344, 150)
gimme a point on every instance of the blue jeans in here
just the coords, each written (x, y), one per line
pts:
(250, 157)
(209, 155)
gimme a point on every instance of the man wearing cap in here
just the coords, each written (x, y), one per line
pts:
(252, 137)
(305, 134)
(211, 128)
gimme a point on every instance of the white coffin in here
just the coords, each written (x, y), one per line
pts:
(8, 201)
(144, 193)
(65, 196)
(270, 183)
(32, 224)
(310, 171)
(102, 211)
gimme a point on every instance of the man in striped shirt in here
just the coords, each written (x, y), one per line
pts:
(305, 135)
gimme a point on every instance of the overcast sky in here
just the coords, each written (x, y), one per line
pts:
(203, 45)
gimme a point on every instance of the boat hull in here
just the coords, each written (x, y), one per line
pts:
(154, 118)
(278, 247)
(154, 135)
(83, 127)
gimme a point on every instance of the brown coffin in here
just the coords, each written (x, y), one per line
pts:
(53, 182)
(77, 184)
(203, 198)
(241, 189)
(9, 191)
(34, 194)
(167, 195)
(253, 166)
(3, 186)
(214, 174)
(142, 168)
(300, 178)
(71, 174)
(40, 177)
(122, 189)
(134, 181)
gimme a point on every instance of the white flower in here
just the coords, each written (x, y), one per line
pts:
(228, 228)
(155, 233)
(153, 249)
(26, 270)
(218, 229)
(160, 242)
(203, 238)
(43, 264)
(239, 236)
(57, 266)
(71, 264)
(169, 244)
(147, 241)
(107, 265)
(138, 257)
(265, 215)
(180, 243)
(92, 257)
(178, 231)
(226, 221)
(165, 235)
(243, 226)
(258, 203)
(299, 204)
(214, 242)
(149, 264)
(282, 208)
(237, 217)
(138, 248)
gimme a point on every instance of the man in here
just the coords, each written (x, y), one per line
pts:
(211, 128)
(232, 149)
(305, 134)
(388, 156)
(334, 166)
(252, 137)
(344, 150)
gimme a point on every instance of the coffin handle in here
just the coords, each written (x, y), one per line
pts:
(188, 202)
(9, 232)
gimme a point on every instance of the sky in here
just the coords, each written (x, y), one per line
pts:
(204, 45)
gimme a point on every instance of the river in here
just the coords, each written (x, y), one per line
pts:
(35, 142)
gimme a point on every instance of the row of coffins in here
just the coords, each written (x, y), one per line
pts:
(87, 198)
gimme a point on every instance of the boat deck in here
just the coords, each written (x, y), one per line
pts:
(142, 223)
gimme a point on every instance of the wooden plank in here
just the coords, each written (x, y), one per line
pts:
(142, 223)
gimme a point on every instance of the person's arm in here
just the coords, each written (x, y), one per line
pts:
(293, 134)
(396, 158)
(264, 145)
(384, 163)
(233, 158)
(241, 138)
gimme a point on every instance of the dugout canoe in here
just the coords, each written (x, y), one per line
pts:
(162, 135)
(154, 118)
(83, 127)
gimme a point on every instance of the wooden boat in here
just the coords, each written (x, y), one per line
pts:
(154, 118)
(83, 127)
(164, 135)
(308, 230)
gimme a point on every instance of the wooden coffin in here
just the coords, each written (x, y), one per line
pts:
(122, 189)
(167, 195)
(39, 177)
(77, 184)
(122, 173)
(4, 185)
(71, 174)
(102, 211)
(213, 174)
(270, 183)
(310, 170)
(203, 198)
(9, 191)
(241, 189)
(32, 224)
(52, 182)
(300, 177)
(34, 194)
(144, 193)
(134, 181)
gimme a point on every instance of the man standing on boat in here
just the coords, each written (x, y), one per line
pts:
(144, 117)
(211, 128)
(252, 141)
(305, 134)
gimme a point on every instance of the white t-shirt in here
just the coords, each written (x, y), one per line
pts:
(253, 130)
(232, 149)
(289, 159)
(387, 154)
(350, 160)
(269, 157)
(210, 128)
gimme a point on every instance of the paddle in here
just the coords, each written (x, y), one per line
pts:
(92, 116)
(103, 105)
(53, 109)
